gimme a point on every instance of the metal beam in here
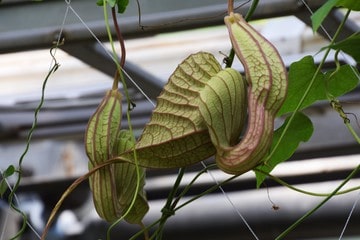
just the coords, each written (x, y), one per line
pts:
(94, 55)
(330, 137)
(31, 25)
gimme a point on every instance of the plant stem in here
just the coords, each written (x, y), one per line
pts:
(352, 131)
(145, 229)
(300, 220)
(213, 188)
(187, 188)
(230, 58)
(120, 38)
(174, 203)
(28, 140)
(230, 6)
(167, 210)
(285, 184)
(335, 104)
(115, 86)
(311, 83)
(251, 10)
(108, 30)
(71, 188)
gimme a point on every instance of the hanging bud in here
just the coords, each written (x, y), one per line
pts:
(267, 86)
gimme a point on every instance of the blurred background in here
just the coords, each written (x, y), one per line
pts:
(170, 31)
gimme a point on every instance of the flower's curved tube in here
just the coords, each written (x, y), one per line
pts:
(202, 108)
(113, 186)
(267, 86)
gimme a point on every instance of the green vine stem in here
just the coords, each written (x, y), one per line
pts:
(251, 10)
(172, 207)
(71, 188)
(327, 51)
(188, 186)
(300, 220)
(347, 123)
(115, 86)
(213, 188)
(336, 105)
(167, 209)
(135, 236)
(28, 140)
(120, 38)
(352, 131)
(285, 184)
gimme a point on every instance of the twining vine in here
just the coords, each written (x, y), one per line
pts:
(117, 161)
(11, 170)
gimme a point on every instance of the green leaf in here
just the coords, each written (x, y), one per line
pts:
(342, 80)
(111, 3)
(3, 187)
(350, 4)
(122, 4)
(300, 74)
(318, 17)
(9, 171)
(300, 130)
(336, 83)
(350, 45)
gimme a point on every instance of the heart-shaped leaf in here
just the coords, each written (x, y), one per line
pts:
(318, 17)
(350, 45)
(301, 73)
(300, 130)
(177, 135)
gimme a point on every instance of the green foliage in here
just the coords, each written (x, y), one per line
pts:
(318, 17)
(349, 4)
(7, 173)
(177, 128)
(301, 72)
(350, 45)
(121, 4)
(300, 130)
(333, 83)
(3, 187)
(341, 81)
